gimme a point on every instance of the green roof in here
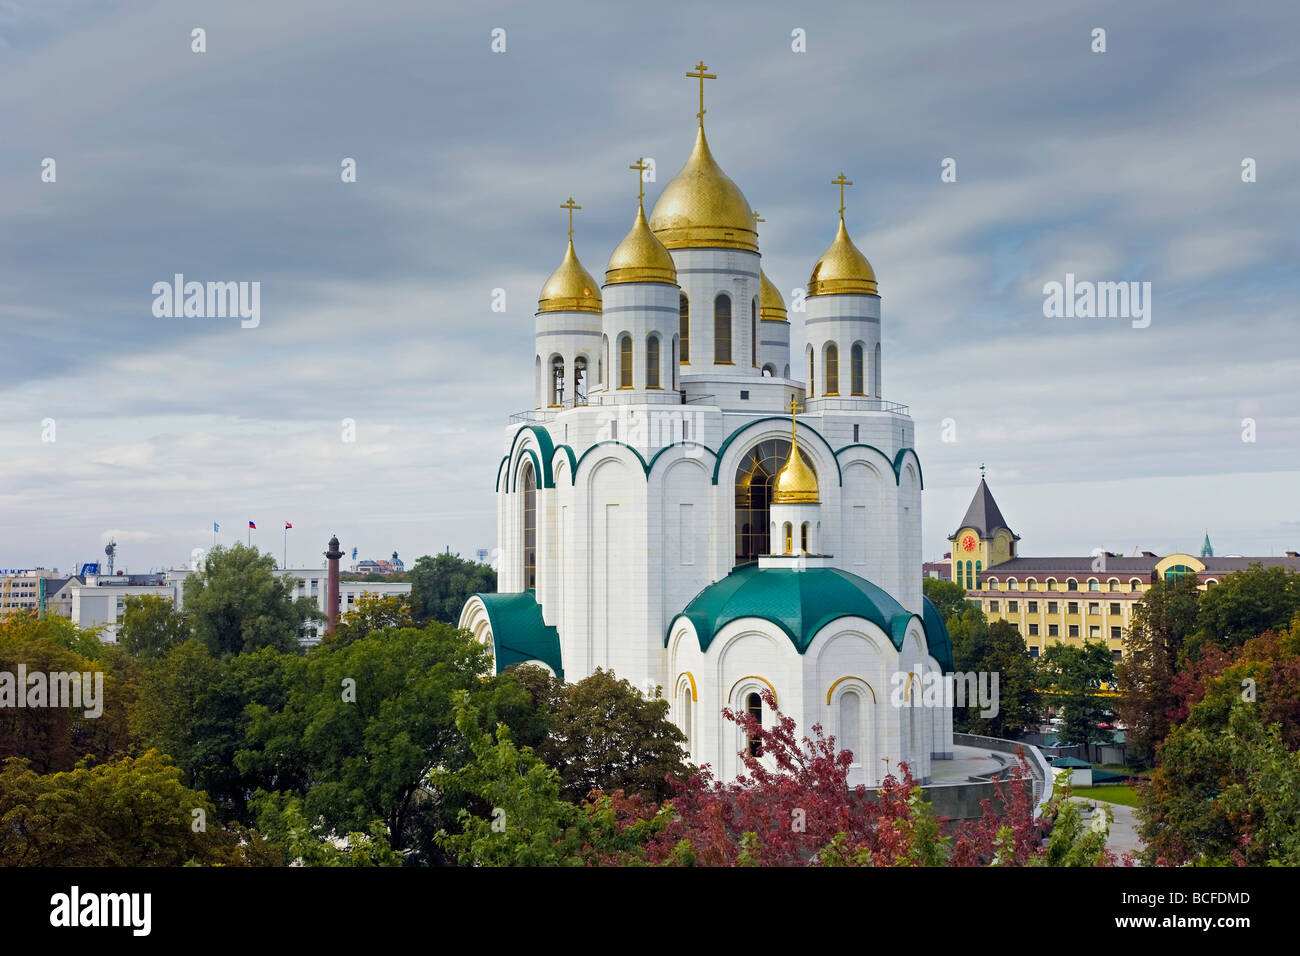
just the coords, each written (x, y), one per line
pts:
(937, 641)
(518, 632)
(801, 603)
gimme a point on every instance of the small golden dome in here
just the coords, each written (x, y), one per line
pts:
(640, 257)
(703, 209)
(796, 483)
(842, 268)
(570, 288)
(771, 305)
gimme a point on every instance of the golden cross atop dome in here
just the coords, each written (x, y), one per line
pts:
(640, 167)
(700, 75)
(758, 218)
(841, 182)
(570, 205)
(794, 407)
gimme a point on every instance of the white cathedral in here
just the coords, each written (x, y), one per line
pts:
(666, 513)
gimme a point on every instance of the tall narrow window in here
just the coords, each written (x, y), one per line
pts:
(530, 528)
(812, 373)
(580, 380)
(857, 371)
(850, 725)
(722, 330)
(686, 718)
(832, 370)
(754, 704)
(557, 381)
(753, 333)
(625, 362)
(789, 538)
(875, 371)
(803, 538)
(684, 307)
(652, 362)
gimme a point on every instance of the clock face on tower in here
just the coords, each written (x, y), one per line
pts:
(968, 543)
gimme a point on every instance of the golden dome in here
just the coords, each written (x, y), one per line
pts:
(771, 305)
(640, 257)
(702, 209)
(842, 268)
(570, 287)
(796, 483)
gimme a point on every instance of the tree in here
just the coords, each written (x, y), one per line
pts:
(605, 735)
(370, 721)
(280, 817)
(1246, 604)
(1074, 676)
(130, 812)
(150, 625)
(238, 603)
(440, 586)
(948, 597)
(372, 612)
(194, 707)
(1002, 651)
(1162, 622)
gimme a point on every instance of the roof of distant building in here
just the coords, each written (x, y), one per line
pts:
(983, 514)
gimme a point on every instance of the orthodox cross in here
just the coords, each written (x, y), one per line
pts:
(570, 205)
(981, 471)
(702, 76)
(794, 406)
(841, 182)
(640, 167)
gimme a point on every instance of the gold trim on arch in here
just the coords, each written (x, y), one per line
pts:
(752, 677)
(695, 694)
(842, 680)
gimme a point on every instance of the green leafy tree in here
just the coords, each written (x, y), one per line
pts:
(605, 735)
(1001, 650)
(238, 603)
(1162, 622)
(1074, 676)
(368, 724)
(372, 612)
(131, 812)
(281, 819)
(441, 584)
(151, 625)
(1246, 604)
(194, 707)
(948, 597)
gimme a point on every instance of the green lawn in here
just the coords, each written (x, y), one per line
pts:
(1109, 793)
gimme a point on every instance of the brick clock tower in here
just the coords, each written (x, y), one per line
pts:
(332, 589)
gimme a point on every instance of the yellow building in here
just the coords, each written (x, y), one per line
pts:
(1069, 599)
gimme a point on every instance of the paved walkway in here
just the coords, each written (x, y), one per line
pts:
(1123, 837)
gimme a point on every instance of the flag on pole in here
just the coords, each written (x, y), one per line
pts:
(252, 525)
(288, 525)
(215, 527)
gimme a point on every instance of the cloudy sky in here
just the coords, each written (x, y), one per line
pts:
(375, 296)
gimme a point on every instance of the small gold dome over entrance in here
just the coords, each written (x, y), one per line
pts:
(795, 483)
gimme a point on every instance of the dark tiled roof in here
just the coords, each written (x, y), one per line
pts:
(983, 514)
(1118, 566)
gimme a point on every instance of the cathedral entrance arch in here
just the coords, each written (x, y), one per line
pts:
(754, 477)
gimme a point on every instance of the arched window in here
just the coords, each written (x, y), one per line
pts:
(769, 371)
(789, 538)
(753, 333)
(970, 576)
(530, 527)
(979, 566)
(754, 704)
(557, 381)
(850, 724)
(686, 716)
(875, 371)
(754, 477)
(1013, 584)
(991, 584)
(1135, 584)
(786, 374)
(832, 369)
(812, 373)
(1071, 584)
(722, 330)
(672, 362)
(625, 362)
(652, 362)
(803, 538)
(1177, 572)
(684, 308)
(1051, 584)
(856, 360)
(1093, 585)
(1112, 584)
(1031, 584)
(580, 380)
(604, 351)
(537, 381)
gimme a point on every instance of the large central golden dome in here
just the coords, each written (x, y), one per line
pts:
(702, 208)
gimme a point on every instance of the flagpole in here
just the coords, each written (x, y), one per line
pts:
(250, 535)
(285, 566)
